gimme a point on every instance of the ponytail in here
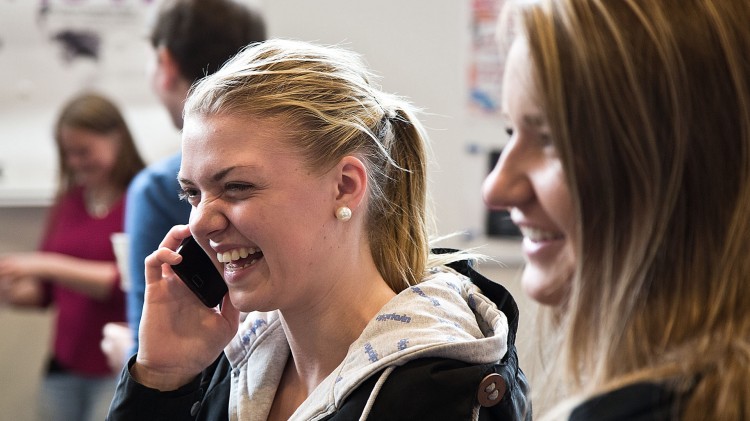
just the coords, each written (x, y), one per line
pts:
(398, 230)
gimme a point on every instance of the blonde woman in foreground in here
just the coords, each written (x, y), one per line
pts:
(308, 191)
(628, 171)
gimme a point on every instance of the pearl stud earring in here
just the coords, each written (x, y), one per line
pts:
(343, 213)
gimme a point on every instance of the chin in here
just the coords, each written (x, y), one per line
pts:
(246, 302)
(543, 287)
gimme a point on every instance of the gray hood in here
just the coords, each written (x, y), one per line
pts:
(446, 316)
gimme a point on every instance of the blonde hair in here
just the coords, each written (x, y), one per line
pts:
(326, 96)
(649, 105)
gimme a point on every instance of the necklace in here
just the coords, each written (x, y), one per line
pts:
(98, 205)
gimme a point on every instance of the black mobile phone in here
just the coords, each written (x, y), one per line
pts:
(198, 272)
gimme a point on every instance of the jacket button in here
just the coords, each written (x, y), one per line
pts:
(491, 390)
(195, 408)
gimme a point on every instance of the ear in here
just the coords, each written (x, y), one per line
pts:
(351, 178)
(167, 69)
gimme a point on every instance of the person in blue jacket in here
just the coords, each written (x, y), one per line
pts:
(190, 39)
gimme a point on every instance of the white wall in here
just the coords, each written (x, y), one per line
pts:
(420, 48)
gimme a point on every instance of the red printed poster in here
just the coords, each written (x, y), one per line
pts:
(486, 61)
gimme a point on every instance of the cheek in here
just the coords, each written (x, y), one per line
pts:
(548, 282)
(558, 203)
(109, 158)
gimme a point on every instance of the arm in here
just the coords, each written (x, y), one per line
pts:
(24, 292)
(204, 398)
(450, 390)
(91, 277)
(152, 208)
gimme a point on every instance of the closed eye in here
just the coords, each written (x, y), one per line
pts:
(238, 187)
(189, 195)
(239, 190)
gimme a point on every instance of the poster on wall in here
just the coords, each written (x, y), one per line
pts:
(52, 48)
(487, 60)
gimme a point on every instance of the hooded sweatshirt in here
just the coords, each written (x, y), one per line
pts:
(441, 349)
(445, 316)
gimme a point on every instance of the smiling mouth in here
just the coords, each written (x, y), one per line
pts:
(239, 258)
(539, 235)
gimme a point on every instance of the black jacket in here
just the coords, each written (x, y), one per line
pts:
(635, 402)
(444, 389)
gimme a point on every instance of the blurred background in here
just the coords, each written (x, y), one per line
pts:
(440, 54)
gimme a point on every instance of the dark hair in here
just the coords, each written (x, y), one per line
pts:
(202, 34)
(93, 112)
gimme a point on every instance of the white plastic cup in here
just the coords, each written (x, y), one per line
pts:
(120, 244)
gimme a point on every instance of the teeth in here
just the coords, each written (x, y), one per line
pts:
(236, 254)
(538, 235)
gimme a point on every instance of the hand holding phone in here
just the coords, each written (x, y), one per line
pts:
(179, 336)
(198, 272)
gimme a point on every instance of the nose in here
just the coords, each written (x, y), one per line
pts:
(508, 184)
(73, 160)
(207, 219)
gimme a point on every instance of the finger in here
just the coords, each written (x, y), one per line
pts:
(156, 261)
(115, 330)
(175, 236)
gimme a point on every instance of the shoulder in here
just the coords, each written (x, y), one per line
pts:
(71, 201)
(638, 402)
(435, 388)
(163, 172)
(154, 195)
(491, 289)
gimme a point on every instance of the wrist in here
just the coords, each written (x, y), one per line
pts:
(51, 267)
(161, 380)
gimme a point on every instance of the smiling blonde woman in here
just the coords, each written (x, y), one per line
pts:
(628, 170)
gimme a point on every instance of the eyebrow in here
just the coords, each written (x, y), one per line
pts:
(215, 178)
(221, 174)
(531, 120)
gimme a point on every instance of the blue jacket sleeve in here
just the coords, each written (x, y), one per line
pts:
(152, 208)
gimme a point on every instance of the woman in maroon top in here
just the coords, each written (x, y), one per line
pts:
(74, 269)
